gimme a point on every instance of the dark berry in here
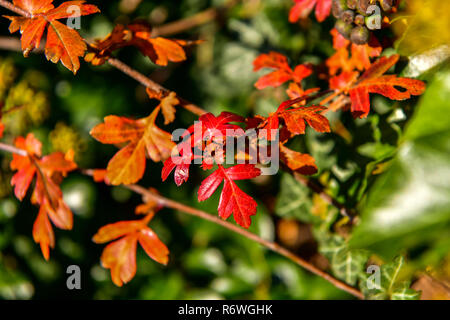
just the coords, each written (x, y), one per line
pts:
(360, 35)
(351, 4)
(387, 5)
(343, 28)
(359, 20)
(362, 6)
(348, 16)
(338, 7)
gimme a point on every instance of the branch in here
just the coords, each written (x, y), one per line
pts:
(12, 149)
(168, 203)
(11, 43)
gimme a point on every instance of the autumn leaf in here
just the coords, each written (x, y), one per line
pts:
(63, 43)
(143, 136)
(374, 80)
(120, 255)
(2, 129)
(208, 127)
(300, 162)
(350, 56)
(302, 8)
(167, 104)
(282, 72)
(232, 199)
(47, 194)
(295, 118)
(159, 50)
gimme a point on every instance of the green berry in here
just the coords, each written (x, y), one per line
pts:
(343, 28)
(360, 35)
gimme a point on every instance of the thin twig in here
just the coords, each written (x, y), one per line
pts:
(10, 44)
(8, 5)
(187, 23)
(195, 212)
(12, 149)
(168, 203)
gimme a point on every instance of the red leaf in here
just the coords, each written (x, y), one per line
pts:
(282, 73)
(373, 81)
(63, 43)
(302, 8)
(295, 118)
(232, 199)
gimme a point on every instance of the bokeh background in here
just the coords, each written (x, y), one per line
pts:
(207, 261)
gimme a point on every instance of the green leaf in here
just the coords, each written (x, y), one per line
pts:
(411, 200)
(347, 265)
(294, 201)
(390, 285)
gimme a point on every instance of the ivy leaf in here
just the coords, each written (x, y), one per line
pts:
(120, 255)
(410, 201)
(282, 72)
(128, 165)
(159, 50)
(302, 8)
(390, 286)
(63, 43)
(232, 199)
(47, 193)
(294, 201)
(347, 265)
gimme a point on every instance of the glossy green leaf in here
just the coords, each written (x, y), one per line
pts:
(413, 195)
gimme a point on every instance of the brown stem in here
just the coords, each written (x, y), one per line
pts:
(155, 87)
(196, 20)
(8, 5)
(175, 205)
(12, 149)
(168, 203)
(185, 24)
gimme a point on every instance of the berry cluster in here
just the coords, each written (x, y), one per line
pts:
(356, 17)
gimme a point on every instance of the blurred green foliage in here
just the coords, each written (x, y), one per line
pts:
(206, 261)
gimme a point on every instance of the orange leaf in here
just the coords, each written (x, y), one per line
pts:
(300, 162)
(167, 105)
(47, 193)
(282, 72)
(159, 50)
(43, 233)
(120, 255)
(373, 81)
(128, 165)
(63, 43)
